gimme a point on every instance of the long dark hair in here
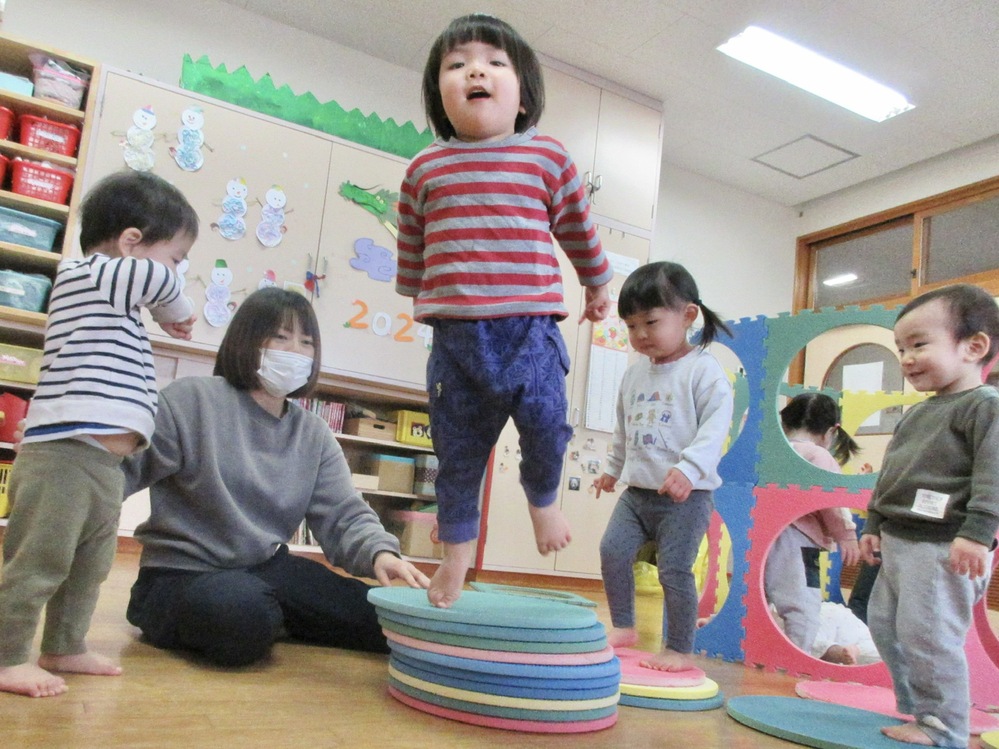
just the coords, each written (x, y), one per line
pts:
(669, 285)
(817, 413)
(479, 27)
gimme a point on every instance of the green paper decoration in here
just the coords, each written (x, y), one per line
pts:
(239, 88)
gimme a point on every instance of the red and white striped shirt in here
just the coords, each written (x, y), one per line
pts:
(476, 223)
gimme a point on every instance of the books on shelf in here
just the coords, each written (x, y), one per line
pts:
(332, 412)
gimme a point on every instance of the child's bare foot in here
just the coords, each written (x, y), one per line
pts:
(910, 733)
(448, 580)
(80, 663)
(668, 659)
(622, 637)
(551, 529)
(30, 680)
(846, 655)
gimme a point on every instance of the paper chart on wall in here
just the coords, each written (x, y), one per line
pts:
(606, 371)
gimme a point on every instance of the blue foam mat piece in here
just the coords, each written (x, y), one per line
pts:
(592, 633)
(654, 703)
(609, 669)
(496, 609)
(547, 593)
(560, 690)
(516, 713)
(813, 723)
(485, 643)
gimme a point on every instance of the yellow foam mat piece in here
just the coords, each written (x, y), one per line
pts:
(700, 692)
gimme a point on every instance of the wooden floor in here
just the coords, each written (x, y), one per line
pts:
(318, 698)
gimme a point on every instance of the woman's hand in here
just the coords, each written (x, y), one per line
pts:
(389, 567)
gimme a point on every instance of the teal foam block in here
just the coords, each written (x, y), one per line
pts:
(549, 594)
(819, 724)
(594, 633)
(485, 643)
(495, 609)
(535, 689)
(610, 669)
(653, 703)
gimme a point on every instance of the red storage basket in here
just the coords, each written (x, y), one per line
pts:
(40, 181)
(48, 135)
(4, 161)
(6, 123)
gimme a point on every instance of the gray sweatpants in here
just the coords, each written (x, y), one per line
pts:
(59, 545)
(919, 615)
(677, 528)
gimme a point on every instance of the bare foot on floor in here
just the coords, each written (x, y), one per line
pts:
(622, 637)
(669, 660)
(80, 663)
(551, 529)
(846, 655)
(449, 579)
(30, 680)
(910, 733)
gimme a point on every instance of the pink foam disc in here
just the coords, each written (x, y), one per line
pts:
(508, 724)
(633, 672)
(538, 659)
(878, 700)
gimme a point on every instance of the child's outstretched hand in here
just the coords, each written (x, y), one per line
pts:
(605, 483)
(181, 329)
(598, 304)
(870, 545)
(849, 552)
(968, 557)
(676, 485)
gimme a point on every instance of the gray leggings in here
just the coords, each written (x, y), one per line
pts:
(643, 515)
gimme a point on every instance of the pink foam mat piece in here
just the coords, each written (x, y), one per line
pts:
(633, 672)
(508, 724)
(878, 700)
(538, 659)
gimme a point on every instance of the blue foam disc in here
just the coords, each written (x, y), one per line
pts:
(546, 593)
(498, 711)
(560, 689)
(485, 643)
(654, 703)
(496, 609)
(594, 633)
(610, 669)
(812, 723)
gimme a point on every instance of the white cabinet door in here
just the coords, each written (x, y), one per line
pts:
(571, 113)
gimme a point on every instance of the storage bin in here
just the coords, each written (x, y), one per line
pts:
(24, 291)
(13, 409)
(4, 163)
(6, 123)
(4, 482)
(395, 473)
(415, 530)
(57, 80)
(48, 135)
(425, 475)
(413, 428)
(19, 364)
(16, 83)
(18, 227)
(39, 180)
(364, 481)
(367, 427)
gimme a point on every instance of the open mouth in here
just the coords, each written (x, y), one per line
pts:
(478, 94)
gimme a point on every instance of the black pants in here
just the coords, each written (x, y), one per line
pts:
(233, 617)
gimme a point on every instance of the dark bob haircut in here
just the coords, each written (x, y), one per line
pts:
(972, 310)
(479, 27)
(261, 316)
(140, 200)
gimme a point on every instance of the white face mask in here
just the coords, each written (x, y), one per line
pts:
(283, 372)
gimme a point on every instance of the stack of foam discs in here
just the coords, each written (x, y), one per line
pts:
(688, 690)
(503, 661)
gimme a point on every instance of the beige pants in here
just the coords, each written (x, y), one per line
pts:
(59, 545)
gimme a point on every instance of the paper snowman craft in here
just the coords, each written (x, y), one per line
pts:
(190, 139)
(271, 228)
(138, 144)
(219, 307)
(231, 224)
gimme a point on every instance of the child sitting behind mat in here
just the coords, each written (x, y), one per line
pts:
(674, 412)
(94, 405)
(811, 423)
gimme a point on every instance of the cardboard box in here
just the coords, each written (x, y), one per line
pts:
(373, 428)
(413, 428)
(414, 530)
(20, 364)
(395, 473)
(425, 476)
(364, 481)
